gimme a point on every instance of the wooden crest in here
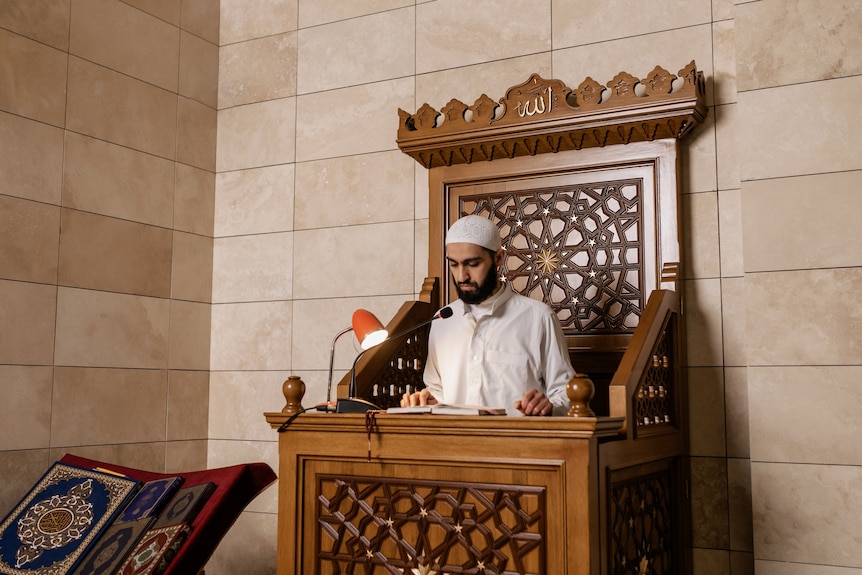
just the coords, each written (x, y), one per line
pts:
(545, 116)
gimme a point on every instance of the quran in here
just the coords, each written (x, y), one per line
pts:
(106, 554)
(149, 499)
(50, 530)
(185, 505)
(155, 550)
(449, 409)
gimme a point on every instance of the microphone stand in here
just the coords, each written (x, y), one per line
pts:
(353, 404)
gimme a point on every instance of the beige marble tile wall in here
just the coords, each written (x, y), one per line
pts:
(797, 130)
(309, 224)
(253, 247)
(107, 181)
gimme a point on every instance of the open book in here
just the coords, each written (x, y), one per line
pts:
(449, 409)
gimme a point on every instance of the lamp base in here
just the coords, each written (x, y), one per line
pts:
(354, 405)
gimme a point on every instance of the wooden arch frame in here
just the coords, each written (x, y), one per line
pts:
(542, 128)
(543, 135)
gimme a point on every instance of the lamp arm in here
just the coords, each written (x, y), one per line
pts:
(332, 362)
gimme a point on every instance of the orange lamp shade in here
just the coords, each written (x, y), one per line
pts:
(368, 329)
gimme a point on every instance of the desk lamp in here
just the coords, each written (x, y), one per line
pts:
(369, 332)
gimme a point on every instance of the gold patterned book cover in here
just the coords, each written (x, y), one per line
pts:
(185, 505)
(49, 531)
(155, 550)
(112, 548)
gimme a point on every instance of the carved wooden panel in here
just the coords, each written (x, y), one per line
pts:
(578, 248)
(379, 525)
(641, 534)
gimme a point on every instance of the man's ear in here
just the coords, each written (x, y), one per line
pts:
(498, 257)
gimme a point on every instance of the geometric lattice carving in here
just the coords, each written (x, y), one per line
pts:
(375, 526)
(404, 371)
(653, 402)
(640, 530)
(578, 248)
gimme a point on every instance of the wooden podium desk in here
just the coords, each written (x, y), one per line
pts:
(435, 494)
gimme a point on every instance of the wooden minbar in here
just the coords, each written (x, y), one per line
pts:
(583, 186)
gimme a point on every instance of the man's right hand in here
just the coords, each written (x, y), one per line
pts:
(422, 397)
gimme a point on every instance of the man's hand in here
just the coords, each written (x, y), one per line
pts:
(534, 402)
(422, 397)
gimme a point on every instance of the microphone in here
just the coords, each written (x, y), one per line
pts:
(444, 313)
(353, 404)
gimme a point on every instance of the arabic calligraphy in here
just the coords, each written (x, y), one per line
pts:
(539, 104)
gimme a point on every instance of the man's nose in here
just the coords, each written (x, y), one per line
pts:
(461, 275)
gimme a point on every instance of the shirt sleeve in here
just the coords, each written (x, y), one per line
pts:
(431, 374)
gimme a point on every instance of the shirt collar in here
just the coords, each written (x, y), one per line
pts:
(490, 305)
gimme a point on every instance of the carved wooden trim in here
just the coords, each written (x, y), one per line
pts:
(543, 116)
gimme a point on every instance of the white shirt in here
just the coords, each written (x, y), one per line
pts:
(492, 353)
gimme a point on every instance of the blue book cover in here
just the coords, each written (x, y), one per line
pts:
(150, 499)
(49, 531)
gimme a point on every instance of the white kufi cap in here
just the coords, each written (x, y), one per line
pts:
(475, 230)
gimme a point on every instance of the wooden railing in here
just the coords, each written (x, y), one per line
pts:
(648, 386)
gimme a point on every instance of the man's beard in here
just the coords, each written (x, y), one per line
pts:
(481, 291)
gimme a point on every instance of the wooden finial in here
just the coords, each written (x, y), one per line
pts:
(293, 389)
(580, 390)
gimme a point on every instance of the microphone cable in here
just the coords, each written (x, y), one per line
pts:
(290, 419)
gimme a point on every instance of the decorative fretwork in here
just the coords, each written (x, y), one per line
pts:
(653, 402)
(545, 116)
(577, 248)
(403, 373)
(641, 527)
(377, 526)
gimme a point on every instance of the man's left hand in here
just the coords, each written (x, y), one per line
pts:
(534, 402)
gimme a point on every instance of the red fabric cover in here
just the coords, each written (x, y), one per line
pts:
(236, 486)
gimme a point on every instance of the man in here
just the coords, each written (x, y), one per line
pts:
(499, 348)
